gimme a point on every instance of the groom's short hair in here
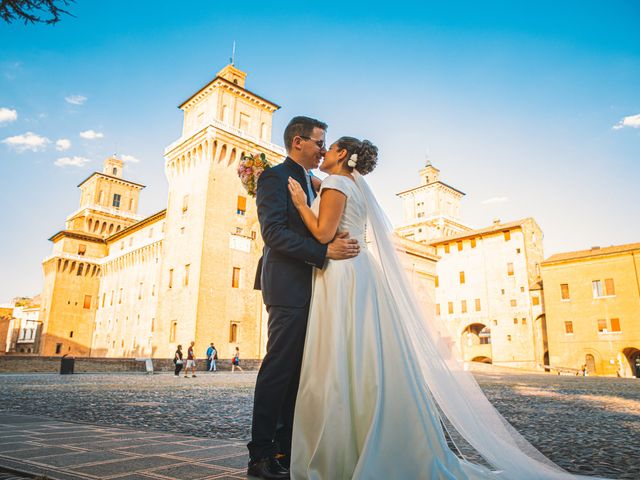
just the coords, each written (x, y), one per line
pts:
(301, 127)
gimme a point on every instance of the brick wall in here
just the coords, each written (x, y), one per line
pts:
(36, 364)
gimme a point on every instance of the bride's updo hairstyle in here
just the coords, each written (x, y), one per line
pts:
(367, 153)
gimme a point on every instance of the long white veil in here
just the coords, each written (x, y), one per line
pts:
(455, 390)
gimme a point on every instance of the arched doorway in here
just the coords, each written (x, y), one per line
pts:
(475, 342)
(633, 358)
(590, 362)
(481, 359)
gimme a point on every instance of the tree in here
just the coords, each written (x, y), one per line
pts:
(30, 11)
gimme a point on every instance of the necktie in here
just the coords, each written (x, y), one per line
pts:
(310, 193)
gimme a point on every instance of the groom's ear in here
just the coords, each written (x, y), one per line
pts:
(296, 143)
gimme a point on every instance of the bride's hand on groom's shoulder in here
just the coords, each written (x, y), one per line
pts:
(298, 197)
(342, 247)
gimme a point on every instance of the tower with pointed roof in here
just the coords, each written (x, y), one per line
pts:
(432, 209)
(211, 245)
(108, 203)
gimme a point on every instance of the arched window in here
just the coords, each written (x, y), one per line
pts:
(115, 171)
(263, 131)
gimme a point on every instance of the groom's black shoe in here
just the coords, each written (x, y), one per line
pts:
(267, 468)
(284, 459)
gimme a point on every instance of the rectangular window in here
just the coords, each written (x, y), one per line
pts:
(515, 321)
(524, 321)
(508, 338)
(597, 289)
(473, 243)
(111, 301)
(71, 334)
(140, 291)
(510, 269)
(464, 306)
(446, 248)
(82, 249)
(477, 304)
(535, 300)
(171, 278)
(233, 333)
(450, 307)
(153, 325)
(244, 122)
(87, 302)
(507, 235)
(564, 291)
(153, 290)
(104, 297)
(120, 297)
(58, 348)
(172, 331)
(186, 275)
(116, 200)
(235, 278)
(609, 288)
(437, 309)
(460, 246)
(615, 324)
(602, 326)
(514, 303)
(242, 205)
(185, 203)
(80, 268)
(461, 278)
(437, 281)
(568, 327)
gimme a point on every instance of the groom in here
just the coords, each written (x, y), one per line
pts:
(284, 275)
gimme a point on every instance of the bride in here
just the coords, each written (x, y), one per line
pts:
(379, 383)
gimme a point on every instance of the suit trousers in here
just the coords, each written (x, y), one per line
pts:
(277, 382)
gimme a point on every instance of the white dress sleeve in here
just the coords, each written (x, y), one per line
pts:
(336, 182)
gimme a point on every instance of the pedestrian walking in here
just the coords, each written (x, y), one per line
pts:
(235, 362)
(177, 360)
(214, 357)
(191, 361)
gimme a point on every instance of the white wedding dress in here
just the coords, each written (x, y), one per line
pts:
(366, 405)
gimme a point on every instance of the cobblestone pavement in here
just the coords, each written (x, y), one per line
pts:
(587, 425)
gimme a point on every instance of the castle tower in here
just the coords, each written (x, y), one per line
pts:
(212, 241)
(108, 203)
(432, 209)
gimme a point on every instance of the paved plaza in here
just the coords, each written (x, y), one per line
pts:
(137, 426)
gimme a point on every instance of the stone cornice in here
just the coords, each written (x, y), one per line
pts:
(110, 177)
(232, 87)
(438, 183)
(137, 226)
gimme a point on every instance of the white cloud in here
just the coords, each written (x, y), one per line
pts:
(129, 159)
(8, 115)
(27, 141)
(91, 134)
(71, 162)
(63, 144)
(76, 99)
(495, 200)
(632, 121)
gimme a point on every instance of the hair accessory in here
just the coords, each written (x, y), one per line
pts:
(353, 160)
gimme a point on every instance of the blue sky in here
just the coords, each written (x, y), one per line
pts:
(515, 102)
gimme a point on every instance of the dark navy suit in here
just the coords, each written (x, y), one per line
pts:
(284, 275)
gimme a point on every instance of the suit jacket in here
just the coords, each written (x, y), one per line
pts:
(290, 251)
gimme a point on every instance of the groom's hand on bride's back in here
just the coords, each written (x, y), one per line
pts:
(342, 247)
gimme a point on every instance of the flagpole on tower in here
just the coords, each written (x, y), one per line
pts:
(232, 60)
